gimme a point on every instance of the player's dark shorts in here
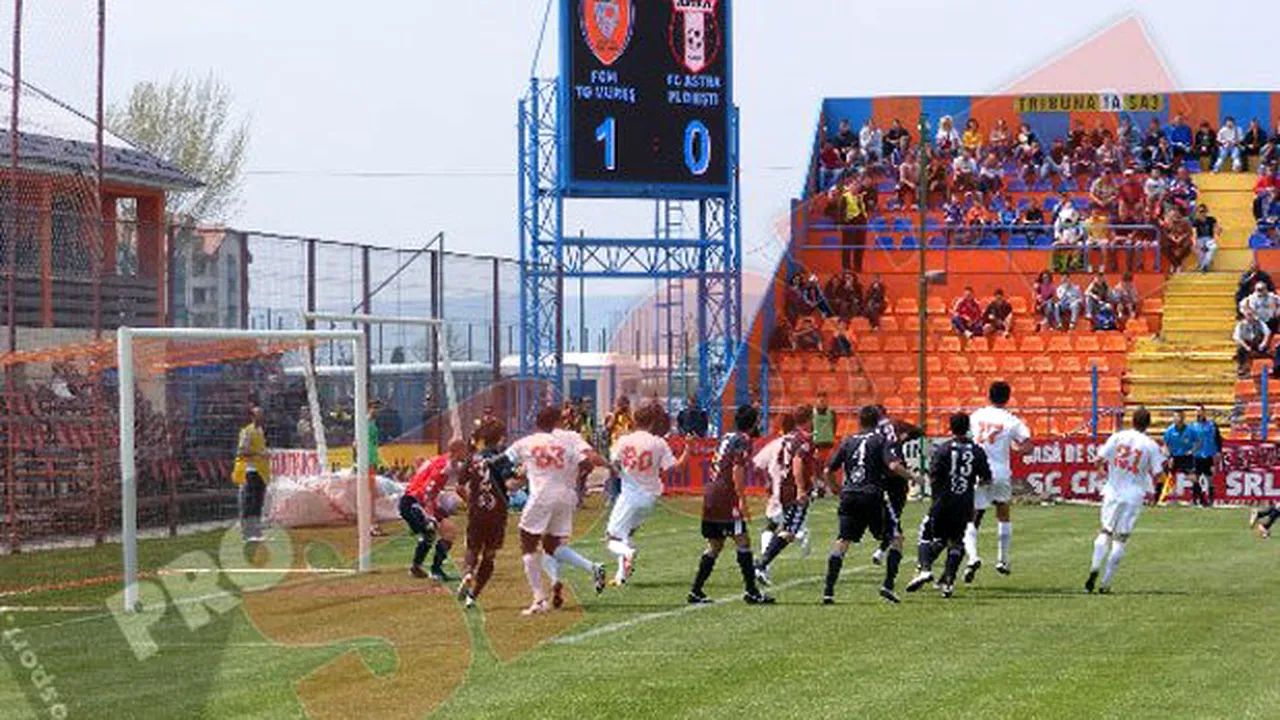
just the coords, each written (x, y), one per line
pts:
(793, 517)
(947, 522)
(415, 516)
(1204, 466)
(1184, 463)
(860, 512)
(719, 530)
(485, 531)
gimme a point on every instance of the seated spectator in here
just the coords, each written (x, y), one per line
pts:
(814, 297)
(1161, 157)
(1229, 141)
(1097, 229)
(1254, 138)
(1097, 294)
(1155, 186)
(1045, 299)
(1068, 229)
(978, 215)
(1152, 139)
(897, 142)
(971, 139)
(840, 346)
(1103, 192)
(1070, 301)
(1127, 140)
(796, 303)
(1182, 190)
(1024, 138)
(844, 292)
(1264, 206)
(1180, 138)
(1207, 233)
(998, 317)
(1265, 305)
(1107, 157)
(830, 165)
(1100, 135)
(871, 142)
(1033, 215)
(875, 302)
(953, 218)
(938, 180)
(998, 141)
(908, 177)
(1083, 164)
(807, 337)
(966, 314)
(1206, 144)
(1078, 136)
(1268, 156)
(782, 339)
(1178, 241)
(1104, 318)
(964, 171)
(1266, 179)
(1249, 280)
(845, 140)
(1124, 297)
(1057, 162)
(1253, 341)
(1030, 159)
(947, 140)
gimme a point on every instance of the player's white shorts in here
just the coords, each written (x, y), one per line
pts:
(999, 491)
(548, 516)
(629, 511)
(1119, 516)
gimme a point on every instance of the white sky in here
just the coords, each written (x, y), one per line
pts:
(430, 87)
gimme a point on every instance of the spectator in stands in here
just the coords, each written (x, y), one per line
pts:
(1229, 141)
(1078, 136)
(844, 292)
(692, 421)
(1207, 233)
(1083, 164)
(796, 303)
(1097, 228)
(908, 183)
(998, 141)
(830, 166)
(1068, 228)
(1100, 134)
(1104, 319)
(1125, 299)
(1097, 294)
(849, 209)
(1268, 155)
(871, 141)
(897, 142)
(1266, 179)
(1182, 190)
(1045, 299)
(1025, 136)
(1151, 140)
(998, 317)
(1253, 341)
(808, 338)
(1161, 157)
(1155, 186)
(1032, 216)
(306, 431)
(1030, 161)
(938, 180)
(1057, 162)
(966, 314)
(1206, 144)
(1178, 239)
(977, 216)
(947, 140)
(1180, 138)
(1070, 301)
(876, 302)
(1251, 144)
(812, 289)
(971, 140)
(782, 339)
(1264, 206)
(1265, 305)
(845, 140)
(964, 171)
(1107, 157)
(1249, 280)
(953, 216)
(990, 176)
(1103, 192)
(840, 346)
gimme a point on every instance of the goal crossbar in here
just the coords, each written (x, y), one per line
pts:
(125, 337)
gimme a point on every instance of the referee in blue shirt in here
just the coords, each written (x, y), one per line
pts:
(1180, 442)
(1208, 447)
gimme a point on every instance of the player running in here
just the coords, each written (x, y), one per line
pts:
(484, 487)
(640, 457)
(1132, 461)
(427, 516)
(763, 460)
(998, 432)
(956, 468)
(896, 433)
(724, 510)
(866, 462)
(789, 474)
(550, 460)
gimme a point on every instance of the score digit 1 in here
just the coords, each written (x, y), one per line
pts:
(697, 147)
(607, 133)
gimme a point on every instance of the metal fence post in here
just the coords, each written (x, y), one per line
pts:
(1093, 392)
(1266, 403)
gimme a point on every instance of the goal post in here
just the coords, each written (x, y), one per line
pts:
(127, 357)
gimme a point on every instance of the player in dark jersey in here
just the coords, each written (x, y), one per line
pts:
(792, 484)
(484, 487)
(957, 466)
(862, 467)
(896, 433)
(724, 509)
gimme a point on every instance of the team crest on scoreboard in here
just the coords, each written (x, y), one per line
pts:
(695, 35)
(607, 26)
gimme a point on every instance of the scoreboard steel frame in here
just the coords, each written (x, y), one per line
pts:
(548, 179)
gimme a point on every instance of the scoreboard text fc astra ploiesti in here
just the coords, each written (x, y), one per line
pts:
(647, 91)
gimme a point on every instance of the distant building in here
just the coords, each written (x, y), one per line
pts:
(207, 271)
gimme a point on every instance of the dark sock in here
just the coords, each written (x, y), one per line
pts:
(977, 518)
(420, 552)
(955, 555)
(924, 555)
(884, 545)
(1271, 515)
(483, 573)
(1197, 494)
(442, 552)
(706, 564)
(891, 567)
(776, 545)
(748, 568)
(1208, 483)
(834, 563)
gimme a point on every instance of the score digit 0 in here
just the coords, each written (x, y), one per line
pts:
(697, 147)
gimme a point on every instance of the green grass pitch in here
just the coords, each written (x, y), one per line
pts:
(1189, 632)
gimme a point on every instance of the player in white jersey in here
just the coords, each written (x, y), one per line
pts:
(550, 460)
(766, 460)
(640, 458)
(1132, 461)
(999, 433)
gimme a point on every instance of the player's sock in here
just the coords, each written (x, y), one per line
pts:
(776, 545)
(924, 555)
(1208, 484)
(533, 573)
(834, 563)
(766, 538)
(1005, 532)
(1100, 545)
(884, 544)
(420, 552)
(551, 567)
(442, 552)
(1113, 561)
(748, 567)
(564, 553)
(618, 547)
(706, 564)
(955, 554)
(971, 541)
(893, 560)
(483, 573)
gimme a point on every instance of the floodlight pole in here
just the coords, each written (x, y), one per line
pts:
(922, 191)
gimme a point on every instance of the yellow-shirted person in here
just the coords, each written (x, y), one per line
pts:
(251, 474)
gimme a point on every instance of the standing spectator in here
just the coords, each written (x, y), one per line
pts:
(1070, 301)
(998, 141)
(841, 345)
(1207, 233)
(1265, 305)
(908, 183)
(1250, 278)
(1044, 297)
(998, 317)
(947, 140)
(692, 420)
(1206, 145)
(1180, 138)
(1068, 229)
(852, 212)
(1125, 299)
(971, 140)
(251, 474)
(825, 429)
(1229, 141)
(1253, 340)
(1208, 447)
(1254, 138)
(1178, 240)
(966, 314)
(876, 302)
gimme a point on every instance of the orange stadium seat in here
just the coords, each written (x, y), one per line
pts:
(859, 385)
(1088, 344)
(949, 344)
(1067, 403)
(1012, 365)
(978, 344)
(958, 365)
(791, 363)
(1152, 306)
(976, 401)
(985, 364)
(1040, 425)
(1082, 385)
(875, 364)
(933, 364)
(894, 344)
(967, 385)
(911, 324)
(1060, 344)
(1023, 385)
(889, 324)
(1052, 384)
(1069, 364)
(801, 384)
(909, 387)
(936, 306)
(859, 325)
(1024, 326)
(939, 325)
(1041, 364)
(883, 384)
(1109, 385)
(895, 405)
(1104, 366)
(1004, 345)
(939, 384)
(906, 306)
(1019, 304)
(1136, 327)
(1032, 345)
(902, 364)
(868, 343)
(833, 384)
(1115, 343)
(1033, 402)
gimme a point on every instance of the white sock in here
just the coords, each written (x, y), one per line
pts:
(971, 542)
(1005, 532)
(766, 537)
(1113, 561)
(619, 548)
(533, 573)
(803, 534)
(551, 567)
(564, 553)
(1100, 544)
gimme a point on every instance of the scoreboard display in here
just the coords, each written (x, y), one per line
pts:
(646, 97)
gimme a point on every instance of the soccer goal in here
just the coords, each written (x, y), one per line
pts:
(184, 393)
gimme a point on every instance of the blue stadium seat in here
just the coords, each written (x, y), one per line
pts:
(1016, 185)
(901, 225)
(1080, 203)
(1257, 241)
(932, 223)
(908, 242)
(1018, 241)
(879, 224)
(989, 240)
(1050, 205)
(937, 241)
(886, 186)
(1023, 203)
(884, 242)
(1042, 241)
